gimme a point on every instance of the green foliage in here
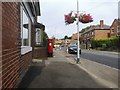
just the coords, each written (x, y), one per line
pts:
(85, 29)
(45, 37)
(70, 37)
(66, 37)
(104, 46)
(106, 43)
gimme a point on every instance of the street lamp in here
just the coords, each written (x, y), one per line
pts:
(78, 42)
(83, 18)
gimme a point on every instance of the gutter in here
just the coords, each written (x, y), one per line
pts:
(32, 8)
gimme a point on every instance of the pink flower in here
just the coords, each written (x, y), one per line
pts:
(83, 18)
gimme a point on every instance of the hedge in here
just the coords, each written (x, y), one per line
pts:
(105, 43)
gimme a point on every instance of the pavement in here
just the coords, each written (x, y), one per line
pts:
(59, 71)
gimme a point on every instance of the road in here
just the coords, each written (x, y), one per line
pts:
(107, 58)
(103, 57)
(59, 72)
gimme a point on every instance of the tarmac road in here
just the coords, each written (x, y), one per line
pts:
(58, 72)
(104, 57)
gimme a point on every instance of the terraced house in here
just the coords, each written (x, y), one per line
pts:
(95, 32)
(100, 31)
(17, 42)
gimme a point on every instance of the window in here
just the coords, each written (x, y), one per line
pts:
(25, 32)
(92, 32)
(39, 37)
(118, 27)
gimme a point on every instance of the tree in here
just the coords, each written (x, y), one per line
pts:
(85, 29)
(45, 37)
(66, 37)
(70, 37)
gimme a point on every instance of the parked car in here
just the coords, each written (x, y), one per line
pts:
(72, 48)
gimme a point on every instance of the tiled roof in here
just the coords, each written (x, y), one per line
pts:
(104, 27)
(97, 27)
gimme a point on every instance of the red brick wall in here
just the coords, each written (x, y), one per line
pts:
(33, 38)
(13, 64)
(10, 44)
(99, 34)
(115, 25)
(0, 44)
(40, 52)
(25, 62)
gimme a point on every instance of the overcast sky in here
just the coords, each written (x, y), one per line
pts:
(53, 11)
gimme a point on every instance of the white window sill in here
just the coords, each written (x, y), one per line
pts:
(25, 49)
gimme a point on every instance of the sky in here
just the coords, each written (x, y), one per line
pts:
(53, 11)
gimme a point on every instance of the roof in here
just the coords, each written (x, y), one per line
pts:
(32, 6)
(116, 21)
(40, 25)
(37, 8)
(97, 27)
(37, 25)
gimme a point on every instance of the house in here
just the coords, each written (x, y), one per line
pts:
(17, 43)
(115, 28)
(95, 32)
(75, 37)
(67, 41)
(40, 43)
(57, 42)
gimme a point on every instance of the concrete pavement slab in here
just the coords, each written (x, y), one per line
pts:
(58, 72)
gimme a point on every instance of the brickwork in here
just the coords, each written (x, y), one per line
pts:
(40, 52)
(114, 28)
(75, 37)
(10, 44)
(33, 38)
(0, 45)
(101, 34)
(13, 64)
(25, 62)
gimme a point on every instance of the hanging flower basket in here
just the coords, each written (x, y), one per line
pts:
(83, 18)
(69, 19)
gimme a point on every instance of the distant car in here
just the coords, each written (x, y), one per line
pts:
(72, 48)
(62, 45)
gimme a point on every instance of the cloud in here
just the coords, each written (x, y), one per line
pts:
(53, 11)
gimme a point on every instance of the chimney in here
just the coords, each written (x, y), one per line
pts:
(101, 24)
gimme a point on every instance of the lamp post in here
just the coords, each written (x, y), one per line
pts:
(78, 42)
(83, 18)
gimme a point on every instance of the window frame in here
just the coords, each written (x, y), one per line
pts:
(118, 28)
(39, 37)
(28, 48)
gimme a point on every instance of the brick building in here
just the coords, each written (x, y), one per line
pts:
(75, 37)
(95, 32)
(16, 42)
(115, 28)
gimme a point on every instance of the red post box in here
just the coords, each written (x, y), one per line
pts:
(50, 47)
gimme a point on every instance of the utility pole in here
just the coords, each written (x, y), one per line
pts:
(84, 18)
(78, 42)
